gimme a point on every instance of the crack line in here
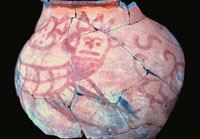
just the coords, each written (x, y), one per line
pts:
(124, 91)
(148, 72)
(123, 115)
(75, 116)
(138, 21)
(96, 29)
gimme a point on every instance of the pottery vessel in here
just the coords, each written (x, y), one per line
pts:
(102, 69)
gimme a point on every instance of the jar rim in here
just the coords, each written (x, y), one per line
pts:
(82, 2)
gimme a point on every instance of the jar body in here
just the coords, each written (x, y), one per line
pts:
(104, 69)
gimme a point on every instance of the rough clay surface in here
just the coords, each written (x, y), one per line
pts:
(111, 73)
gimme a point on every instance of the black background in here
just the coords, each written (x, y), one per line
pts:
(21, 18)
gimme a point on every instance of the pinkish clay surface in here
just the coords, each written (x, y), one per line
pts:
(102, 69)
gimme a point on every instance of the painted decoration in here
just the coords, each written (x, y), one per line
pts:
(99, 68)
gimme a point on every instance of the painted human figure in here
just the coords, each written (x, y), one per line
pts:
(88, 53)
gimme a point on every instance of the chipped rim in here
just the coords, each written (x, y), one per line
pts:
(85, 2)
(93, 2)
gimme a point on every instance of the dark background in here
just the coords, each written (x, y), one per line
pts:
(22, 16)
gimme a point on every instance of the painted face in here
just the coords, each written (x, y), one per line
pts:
(92, 45)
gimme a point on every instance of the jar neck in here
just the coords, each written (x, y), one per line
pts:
(63, 9)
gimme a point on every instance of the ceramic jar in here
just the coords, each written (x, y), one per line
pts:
(101, 68)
